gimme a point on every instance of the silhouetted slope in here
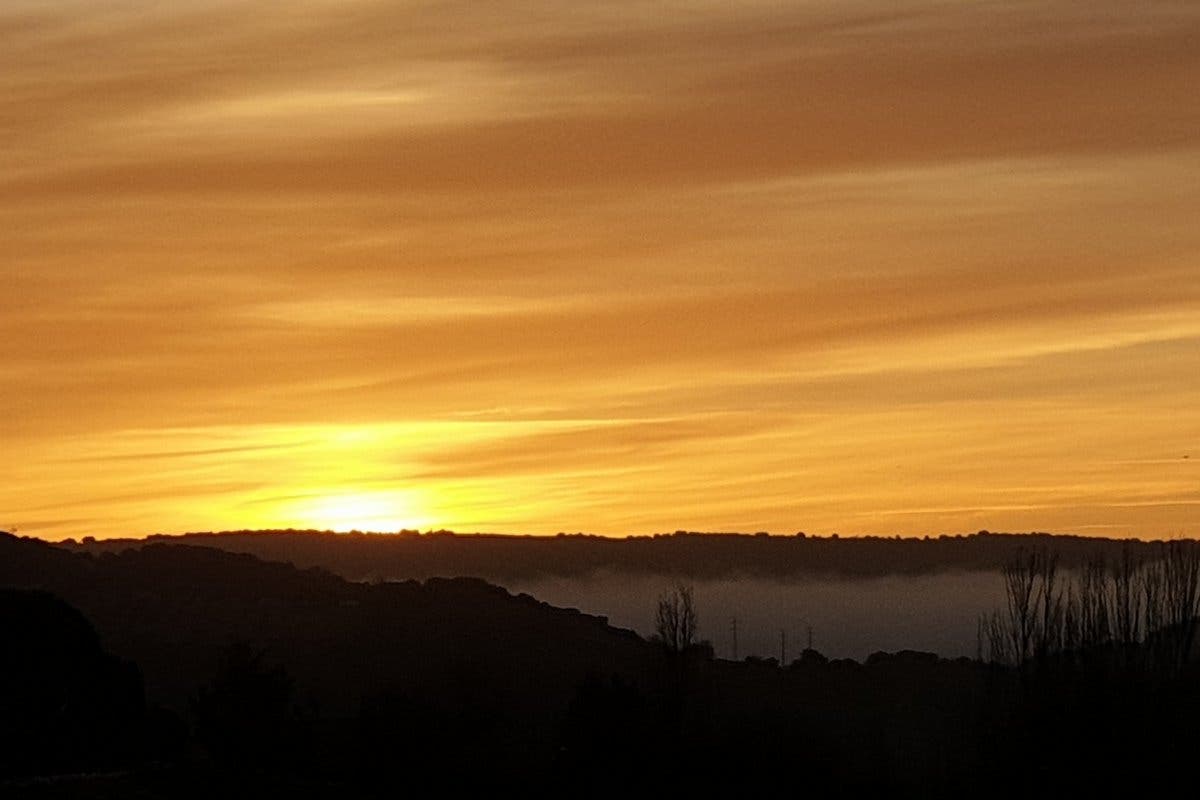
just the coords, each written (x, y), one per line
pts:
(175, 609)
(298, 682)
(65, 704)
(697, 556)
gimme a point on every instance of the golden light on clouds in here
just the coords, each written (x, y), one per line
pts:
(631, 267)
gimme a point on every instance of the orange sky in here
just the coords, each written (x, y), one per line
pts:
(619, 267)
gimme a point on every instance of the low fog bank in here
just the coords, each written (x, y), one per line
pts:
(849, 618)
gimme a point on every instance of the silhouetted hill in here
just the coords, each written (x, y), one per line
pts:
(66, 705)
(693, 555)
(477, 662)
(173, 607)
(301, 683)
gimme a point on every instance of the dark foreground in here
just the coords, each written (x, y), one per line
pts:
(178, 671)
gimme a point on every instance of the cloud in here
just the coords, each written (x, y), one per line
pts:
(374, 98)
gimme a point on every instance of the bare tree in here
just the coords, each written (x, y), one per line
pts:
(1144, 611)
(1126, 602)
(1153, 597)
(1181, 585)
(1038, 613)
(1095, 628)
(675, 618)
(1071, 631)
(1050, 625)
(1012, 633)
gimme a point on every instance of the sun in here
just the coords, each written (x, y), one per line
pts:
(362, 511)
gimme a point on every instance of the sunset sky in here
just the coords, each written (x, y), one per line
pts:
(618, 267)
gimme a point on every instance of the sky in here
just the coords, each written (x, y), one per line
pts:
(619, 267)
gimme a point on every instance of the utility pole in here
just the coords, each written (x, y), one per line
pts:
(735, 648)
(782, 647)
(808, 633)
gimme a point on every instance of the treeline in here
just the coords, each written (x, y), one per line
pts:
(1137, 609)
(1104, 684)
(695, 556)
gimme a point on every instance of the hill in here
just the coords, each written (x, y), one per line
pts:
(296, 680)
(503, 558)
(65, 703)
(172, 608)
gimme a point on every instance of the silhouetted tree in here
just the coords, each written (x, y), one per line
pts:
(1013, 633)
(1126, 600)
(675, 619)
(245, 717)
(1049, 627)
(66, 705)
(1139, 612)
(1094, 608)
(1179, 576)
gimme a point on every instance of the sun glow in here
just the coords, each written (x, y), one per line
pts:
(367, 511)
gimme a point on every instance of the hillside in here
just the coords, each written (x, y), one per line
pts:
(502, 558)
(174, 609)
(296, 680)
